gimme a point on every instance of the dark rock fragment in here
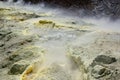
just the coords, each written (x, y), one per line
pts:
(105, 59)
(18, 68)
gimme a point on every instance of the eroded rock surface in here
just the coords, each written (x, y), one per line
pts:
(35, 46)
(97, 59)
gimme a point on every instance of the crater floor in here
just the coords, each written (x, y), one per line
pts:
(39, 43)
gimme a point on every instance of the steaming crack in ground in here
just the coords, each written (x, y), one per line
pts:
(39, 43)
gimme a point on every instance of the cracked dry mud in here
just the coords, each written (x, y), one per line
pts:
(39, 46)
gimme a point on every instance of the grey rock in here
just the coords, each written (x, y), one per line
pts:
(107, 7)
(104, 59)
(103, 68)
(18, 68)
(99, 71)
